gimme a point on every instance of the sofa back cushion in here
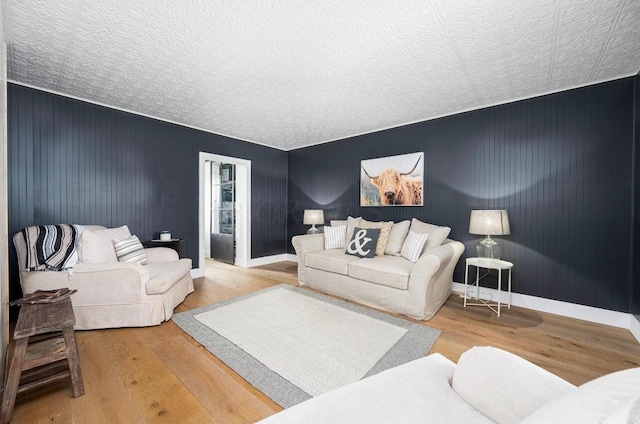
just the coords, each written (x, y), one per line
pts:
(97, 246)
(505, 387)
(594, 402)
(437, 234)
(398, 233)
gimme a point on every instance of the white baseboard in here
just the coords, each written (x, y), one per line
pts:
(572, 310)
(634, 327)
(266, 260)
(197, 272)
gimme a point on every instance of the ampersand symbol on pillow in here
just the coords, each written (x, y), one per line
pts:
(359, 241)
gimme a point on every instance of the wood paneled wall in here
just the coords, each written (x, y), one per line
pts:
(560, 164)
(635, 288)
(75, 162)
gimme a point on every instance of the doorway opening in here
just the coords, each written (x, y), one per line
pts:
(224, 210)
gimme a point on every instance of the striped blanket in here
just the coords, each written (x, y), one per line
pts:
(50, 247)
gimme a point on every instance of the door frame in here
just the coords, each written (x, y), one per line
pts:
(243, 209)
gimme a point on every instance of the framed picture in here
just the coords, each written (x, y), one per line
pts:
(392, 180)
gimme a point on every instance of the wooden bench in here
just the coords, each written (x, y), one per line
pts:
(45, 351)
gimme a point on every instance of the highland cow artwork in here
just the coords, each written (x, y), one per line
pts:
(392, 180)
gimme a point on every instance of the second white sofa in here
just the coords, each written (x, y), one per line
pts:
(389, 282)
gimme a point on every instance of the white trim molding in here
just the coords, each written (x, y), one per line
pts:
(266, 260)
(634, 327)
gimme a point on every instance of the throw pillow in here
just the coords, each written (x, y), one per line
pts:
(413, 245)
(97, 246)
(385, 229)
(335, 237)
(437, 235)
(396, 238)
(130, 250)
(363, 242)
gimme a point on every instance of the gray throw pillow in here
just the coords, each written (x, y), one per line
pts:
(363, 242)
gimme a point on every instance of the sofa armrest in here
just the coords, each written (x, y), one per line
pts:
(304, 244)
(161, 254)
(503, 386)
(432, 275)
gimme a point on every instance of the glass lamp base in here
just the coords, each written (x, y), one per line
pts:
(313, 230)
(488, 248)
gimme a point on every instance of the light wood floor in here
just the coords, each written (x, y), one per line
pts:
(160, 374)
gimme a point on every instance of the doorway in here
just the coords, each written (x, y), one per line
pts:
(224, 210)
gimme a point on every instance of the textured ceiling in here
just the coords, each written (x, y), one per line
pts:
(294, 73)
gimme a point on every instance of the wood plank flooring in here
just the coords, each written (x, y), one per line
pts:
(160, 374)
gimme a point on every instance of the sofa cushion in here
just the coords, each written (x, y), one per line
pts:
(413, 245)
(363, 242)
(592, 402)
(335, 237)
(163, 275)
(350, 222)
(390, 271)
(398, 233)
(484, 377)
(130, 250)
(437, 234)
(332, 260)
(385, 230)
(97, 246)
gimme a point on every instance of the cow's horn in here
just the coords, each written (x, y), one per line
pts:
(365, 171)
(412, 169)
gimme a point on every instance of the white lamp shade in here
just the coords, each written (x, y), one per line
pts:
(313, 217)
(489, 223)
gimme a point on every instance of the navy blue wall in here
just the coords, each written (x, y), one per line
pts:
(635, 303)
(75, 162)
(560, 164)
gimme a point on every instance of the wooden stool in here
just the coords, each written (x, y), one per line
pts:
(42, 358)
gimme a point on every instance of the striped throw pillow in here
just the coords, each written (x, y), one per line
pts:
(335, 237)
(412, 246)
(130, 250)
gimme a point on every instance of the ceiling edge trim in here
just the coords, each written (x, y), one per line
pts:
(517, 99)
(139, 113)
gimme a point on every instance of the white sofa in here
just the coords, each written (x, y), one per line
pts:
(116, 294)
(388, 282)
(488, 385)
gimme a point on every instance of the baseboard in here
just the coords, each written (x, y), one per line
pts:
(634, 327)
(572, 310)
(197, 272)
(266, 260)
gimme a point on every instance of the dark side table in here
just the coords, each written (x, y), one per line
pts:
(179, 245)
(41, 355)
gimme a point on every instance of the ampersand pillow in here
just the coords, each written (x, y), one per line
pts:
(363, 242)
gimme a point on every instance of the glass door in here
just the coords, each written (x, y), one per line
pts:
(223, 212)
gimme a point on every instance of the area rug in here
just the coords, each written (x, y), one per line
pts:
(293, 344)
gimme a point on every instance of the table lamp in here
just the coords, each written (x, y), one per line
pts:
(489, 223)
(313, 217)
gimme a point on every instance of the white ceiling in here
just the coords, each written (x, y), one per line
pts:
(294, 73)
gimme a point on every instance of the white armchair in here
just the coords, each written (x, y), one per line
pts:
(116, 294)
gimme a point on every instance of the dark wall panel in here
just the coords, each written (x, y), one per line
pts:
(635, 288)
(560, 164)
(75, 162)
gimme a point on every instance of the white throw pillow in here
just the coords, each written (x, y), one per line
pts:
(335, 237)
(130, 250)
(592, 402)
(97, 246)
(505, 387)
(412, 246)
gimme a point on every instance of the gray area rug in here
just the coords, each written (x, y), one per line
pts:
(416, 342)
